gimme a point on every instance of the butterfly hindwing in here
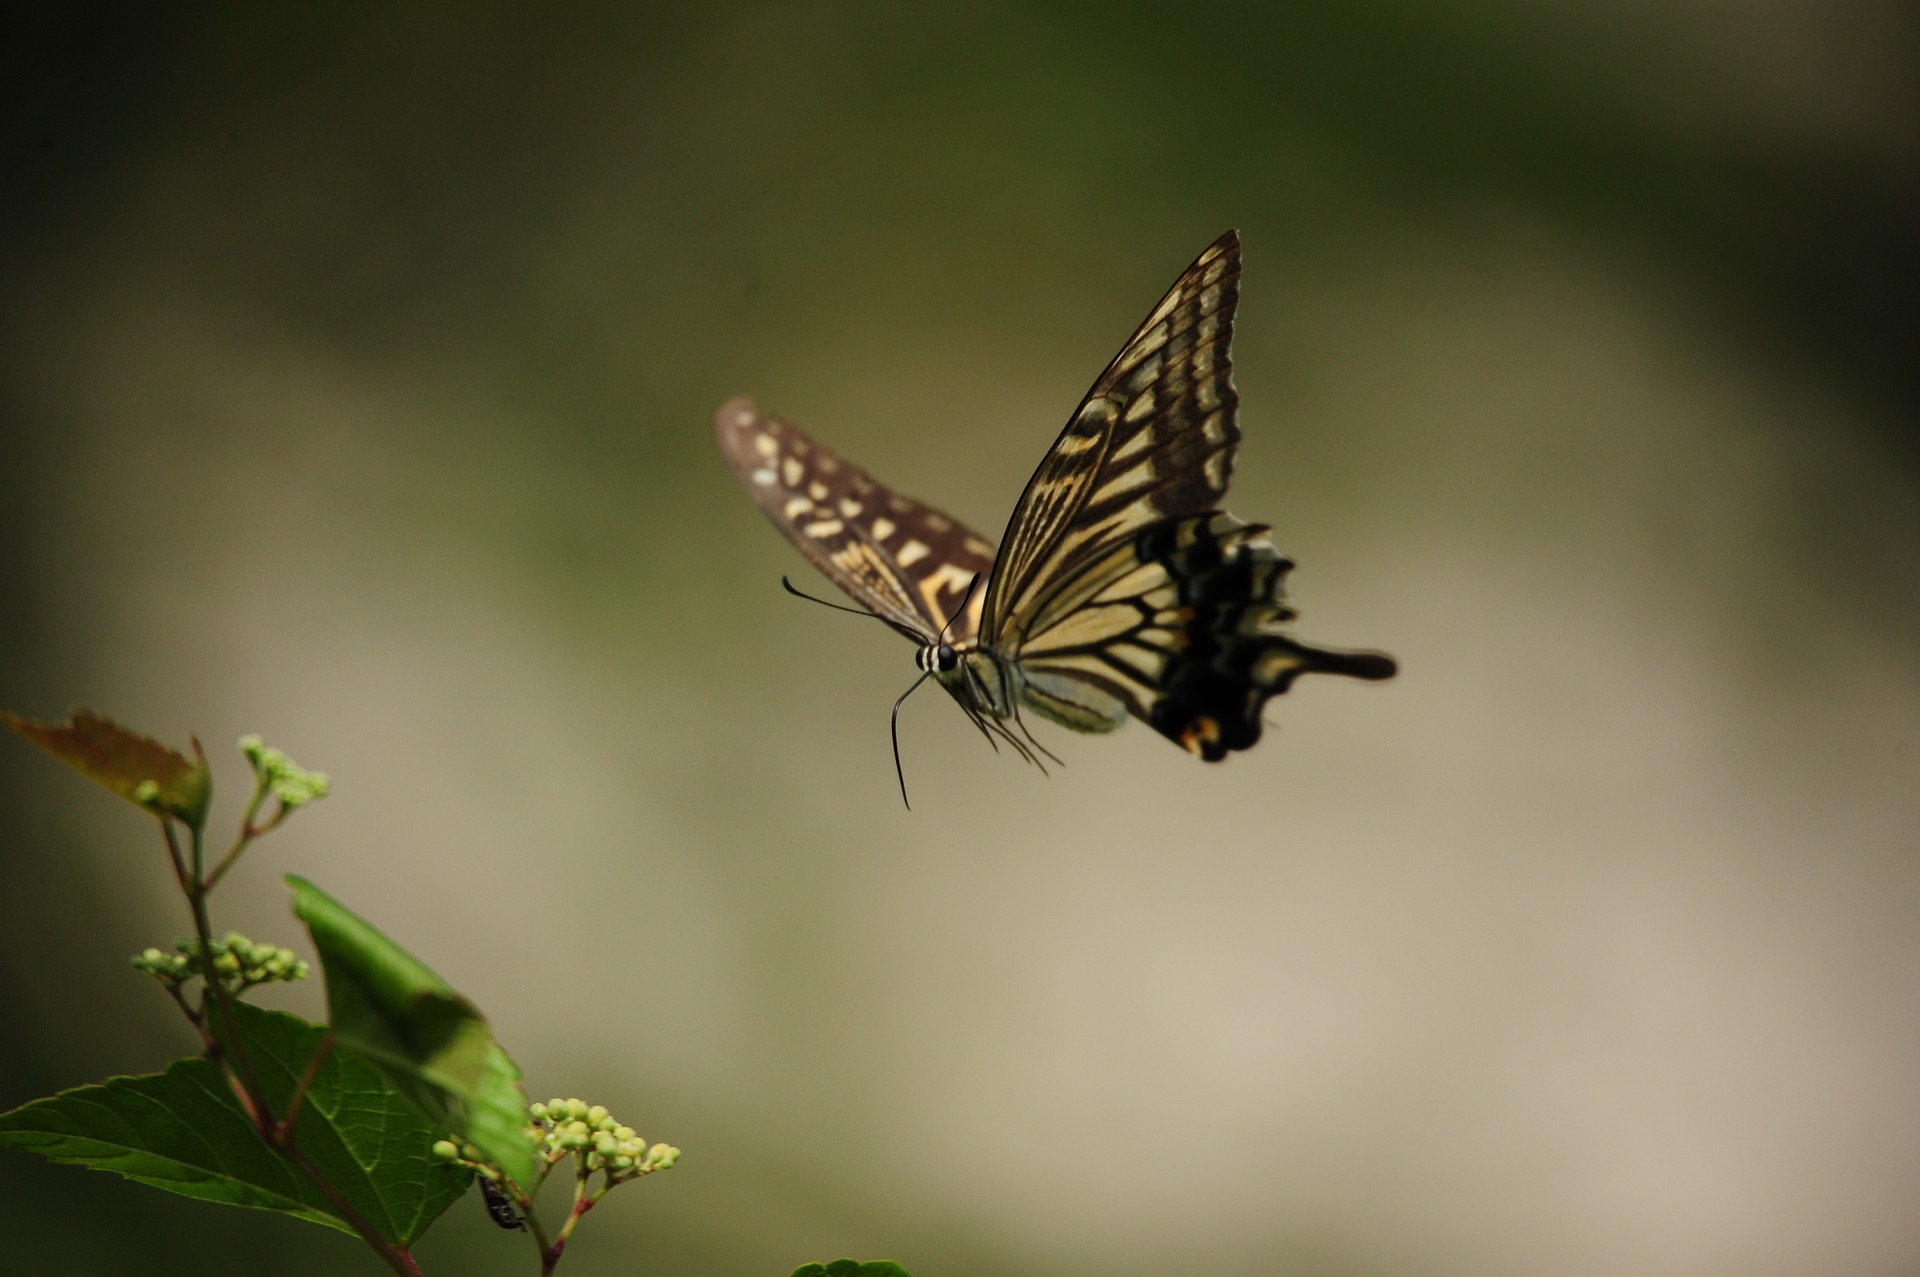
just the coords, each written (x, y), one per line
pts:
(1177, 627)
(1153, 439)
(902, 560)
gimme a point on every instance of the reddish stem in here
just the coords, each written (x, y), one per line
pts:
(237, 1069)
(396, 1257)
(283, 1133)
(179, 861)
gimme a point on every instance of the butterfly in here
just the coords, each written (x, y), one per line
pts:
(1120, 589)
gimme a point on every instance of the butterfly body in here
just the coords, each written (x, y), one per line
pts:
(1120, 590)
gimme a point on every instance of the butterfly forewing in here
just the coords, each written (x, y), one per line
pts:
(902, 560)
(1154, 439)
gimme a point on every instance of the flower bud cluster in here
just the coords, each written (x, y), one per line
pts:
(285, 779)
(465, 1154)
(594, 1135)
(237, 962)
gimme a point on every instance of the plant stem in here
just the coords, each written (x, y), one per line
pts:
(194, 1017)
(582, 1203)
(394, 1256)
(548, 1162)
(284, 1131)
(246, 1088)
(233, 1050)
(242, 840)
(532, 1214)
(230, 1054)
(173, 850)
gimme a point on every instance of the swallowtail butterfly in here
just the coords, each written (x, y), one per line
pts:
(1120, 588)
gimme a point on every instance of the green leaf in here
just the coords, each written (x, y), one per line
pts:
(138, 768)
(430, 1042)
(183, 1130)
(852, 1268)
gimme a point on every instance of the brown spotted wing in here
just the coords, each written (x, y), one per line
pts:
(902, 560)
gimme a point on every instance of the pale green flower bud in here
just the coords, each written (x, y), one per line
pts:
(291, 783)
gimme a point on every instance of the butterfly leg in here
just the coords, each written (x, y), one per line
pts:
(1028, 733)
(1019, 746)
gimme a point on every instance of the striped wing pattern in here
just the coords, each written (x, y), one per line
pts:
(902, 560)
(1177, 627)
(1121, 589)
(1153, 439)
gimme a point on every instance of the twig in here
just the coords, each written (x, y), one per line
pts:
(242, 840)
(396, 1257)
(283, 1133)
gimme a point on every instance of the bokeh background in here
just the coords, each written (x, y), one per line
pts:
(358, 369)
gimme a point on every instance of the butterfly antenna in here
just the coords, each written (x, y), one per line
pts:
(799, 593)
(964, 600)
(897, 769)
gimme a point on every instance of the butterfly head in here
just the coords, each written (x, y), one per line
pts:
(970, 674)
(938, 658)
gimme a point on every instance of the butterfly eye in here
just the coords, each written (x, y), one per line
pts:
(946, 658)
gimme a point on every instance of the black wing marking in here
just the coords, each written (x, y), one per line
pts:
(1178, 627)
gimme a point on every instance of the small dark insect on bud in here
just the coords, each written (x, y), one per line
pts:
(499, 1205)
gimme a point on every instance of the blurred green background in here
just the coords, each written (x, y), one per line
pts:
(359, 365)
